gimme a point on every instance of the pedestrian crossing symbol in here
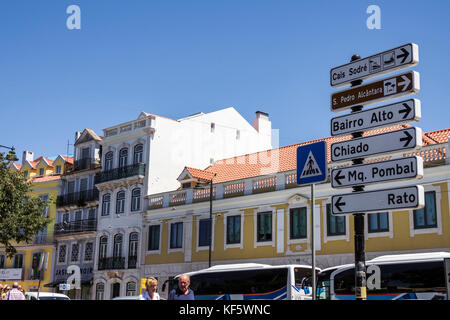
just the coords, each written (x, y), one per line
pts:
(311, 163)
(311, 168)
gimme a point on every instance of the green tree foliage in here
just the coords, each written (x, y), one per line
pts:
(21, 216)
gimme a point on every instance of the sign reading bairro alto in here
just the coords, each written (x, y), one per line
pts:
(375, 65)
(385, 171)
(381, 90)
(396, 113)
(400, 140)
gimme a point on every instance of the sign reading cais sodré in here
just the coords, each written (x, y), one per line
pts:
(378, 64)
(400, 85)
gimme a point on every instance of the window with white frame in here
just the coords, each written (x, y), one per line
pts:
(131, 288)
(426, 217)
(153, 237)
(136, 199)
(264, 226)
(109, 161)
(99, 291)
(335, 224)
(133, 245)
(138, 154)
(123, 157)
(298, 223)
(62, 253)
(120, 202)
(88, 251)
(378, 222)
(176, 235)
(18, 260)
(103, 247)
(204, 232)
(233, 229)
(117, 249)
(106, 204)
(75, 252)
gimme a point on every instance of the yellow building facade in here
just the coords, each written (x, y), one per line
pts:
(266, 217)
(44, 175)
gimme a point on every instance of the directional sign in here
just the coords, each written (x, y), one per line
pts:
(398, 169)
(396, 113)
(400, 140)
(311, 163)
(379, 200)
(396, 86)
(378, 64)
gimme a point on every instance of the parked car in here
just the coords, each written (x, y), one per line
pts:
(45, 296)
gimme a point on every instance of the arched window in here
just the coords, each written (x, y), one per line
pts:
(123, 157)
(120, 202)
(118, 239)
(134, 240)
(138, 154)
(136, 199)
(109, 161)
(106, 204)
(103, 247)
(99, 291)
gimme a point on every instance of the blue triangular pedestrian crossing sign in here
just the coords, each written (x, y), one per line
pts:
(311, 163)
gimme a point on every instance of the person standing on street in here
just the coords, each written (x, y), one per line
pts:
(150, 290)
(182, 292)
(14, 293)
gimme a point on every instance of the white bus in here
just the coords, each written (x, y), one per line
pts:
(251, 281)
(418, 276)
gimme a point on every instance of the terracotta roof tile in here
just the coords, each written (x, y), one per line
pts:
(285, 158)
(47, 178)
(200, 174)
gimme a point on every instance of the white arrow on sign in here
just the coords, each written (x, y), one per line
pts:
(400, 140)
(405, 83)
(379, 200)
(397, 113)
(375, 65)
(398, 169)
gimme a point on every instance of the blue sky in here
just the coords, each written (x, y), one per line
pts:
(178, 57)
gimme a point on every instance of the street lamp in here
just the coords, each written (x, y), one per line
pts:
(11, 154)
(198, 187)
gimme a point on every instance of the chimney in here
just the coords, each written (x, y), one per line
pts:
(262, 119)
(77, 135)
(27, 156)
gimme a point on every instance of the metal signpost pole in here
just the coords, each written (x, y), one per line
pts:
(360, 260)
(313, 249)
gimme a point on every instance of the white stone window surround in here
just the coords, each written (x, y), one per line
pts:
(257, 243)
(156, 223)
(169, 224)
(239, 245)
(297, 205)
(438, 228)
(326, 237)
(66, 244)
(389, 233)
(197, 224)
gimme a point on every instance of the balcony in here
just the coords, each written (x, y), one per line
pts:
(77, 198)
(132, 262)
(76, 226)
(137, 169)
(85, 163)
(111, 263)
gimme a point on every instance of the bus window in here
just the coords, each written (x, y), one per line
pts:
(323, 285)
(239, 282)
(344, 282)
(302, 277)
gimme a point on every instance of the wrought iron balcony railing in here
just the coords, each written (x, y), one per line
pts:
(77, 198)
(132, 262)
(111, 263)
(119, 173)
(76, 226)
(85, 163)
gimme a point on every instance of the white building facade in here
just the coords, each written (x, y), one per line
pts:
(145, 156)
